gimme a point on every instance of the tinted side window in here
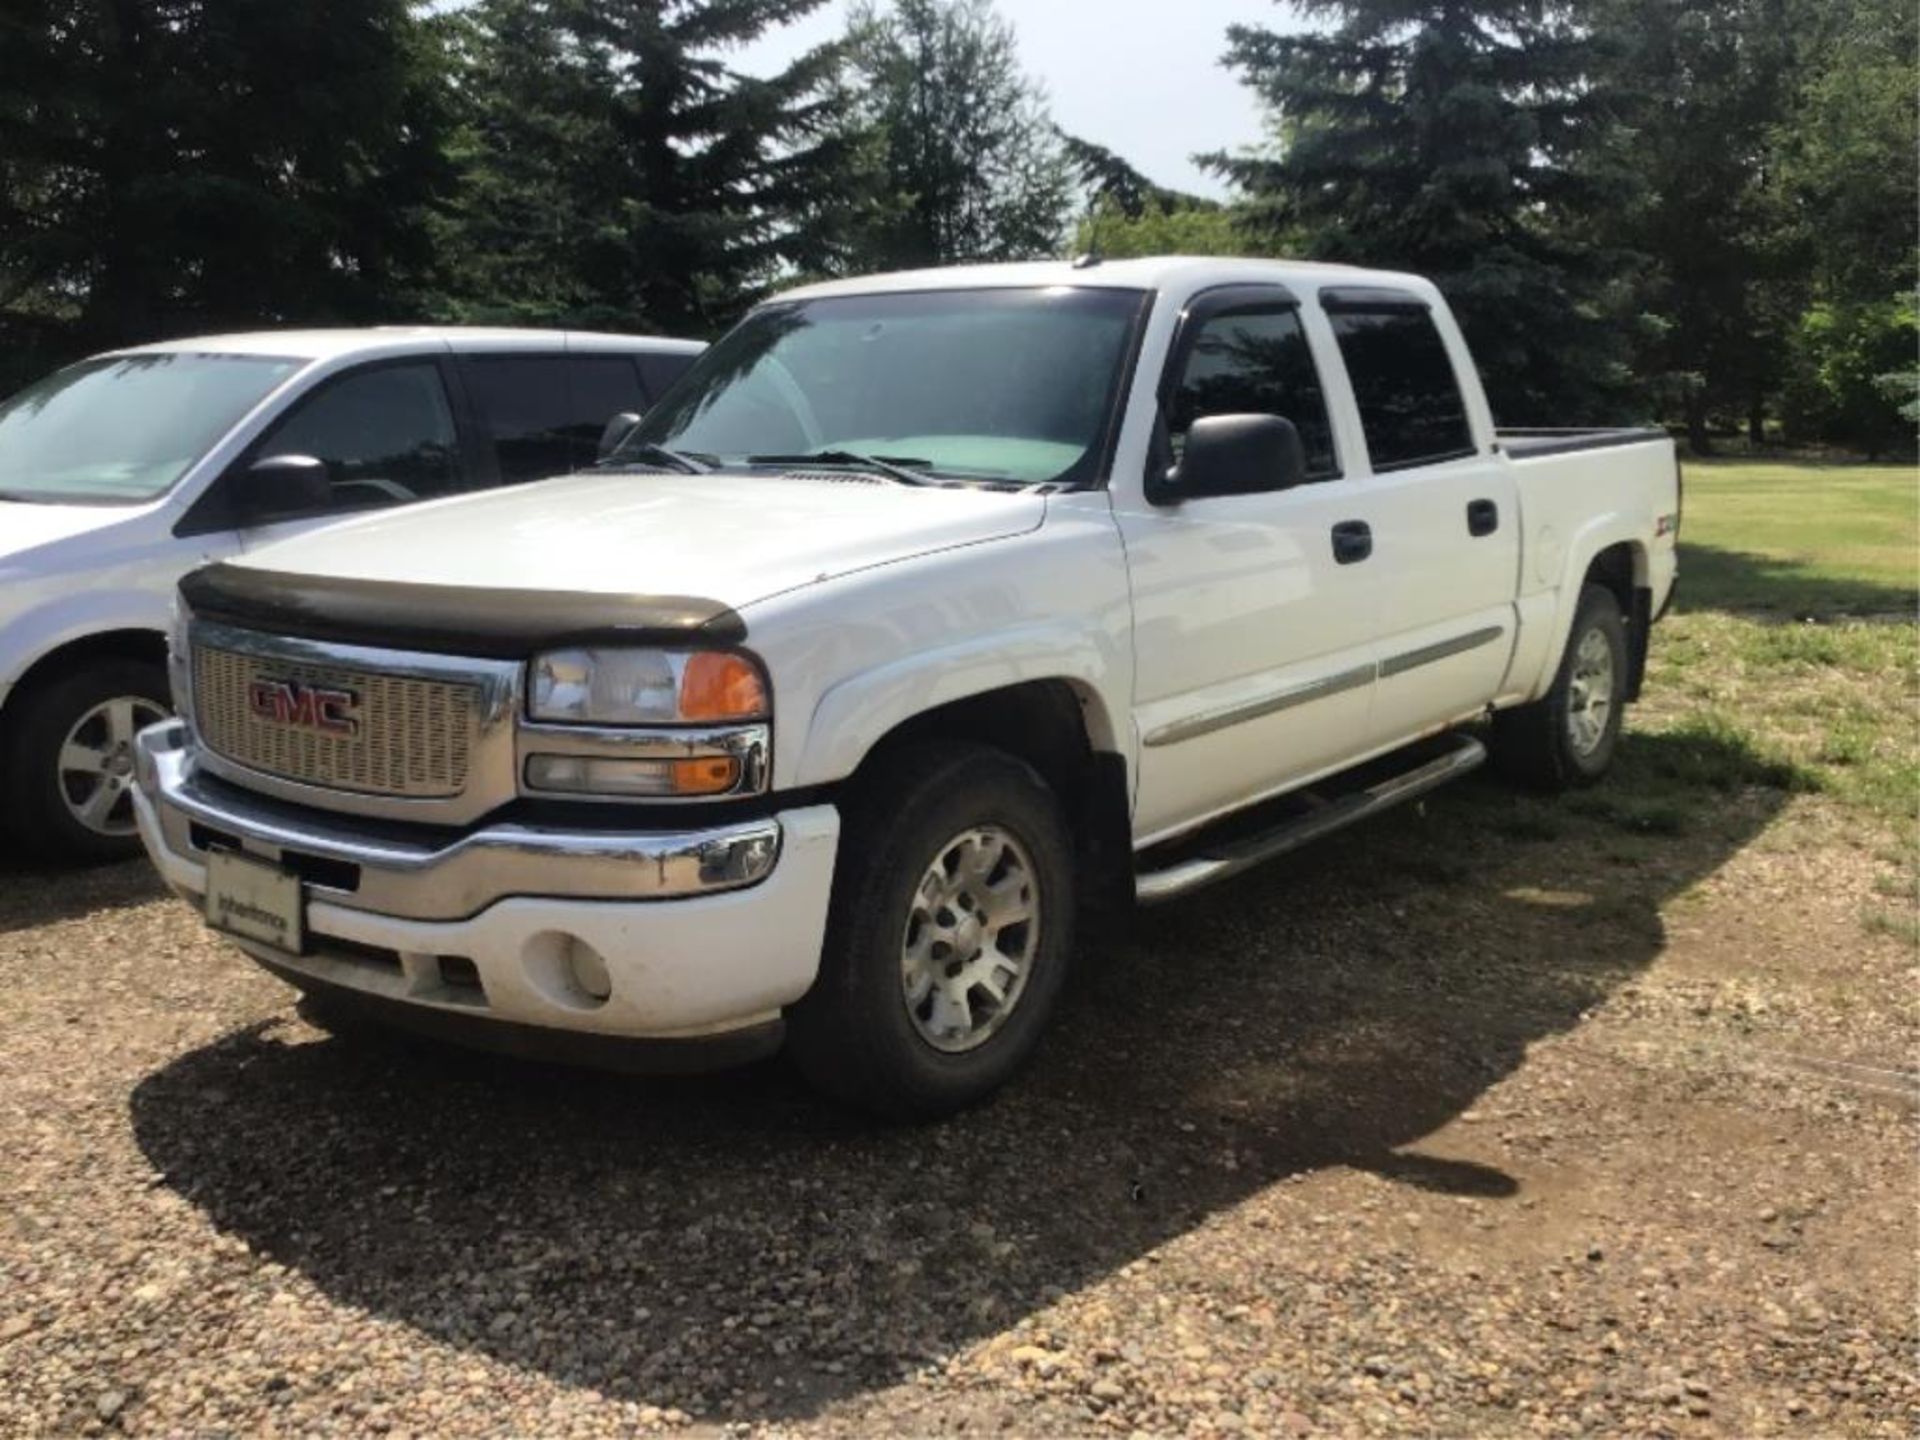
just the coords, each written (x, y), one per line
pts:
(523, 408)
(1410, 405)
(386, 436)
(660, 371)
(1254, 362)
(602, 387)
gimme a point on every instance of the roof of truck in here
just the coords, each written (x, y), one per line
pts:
(405, 339)
(1157, 272)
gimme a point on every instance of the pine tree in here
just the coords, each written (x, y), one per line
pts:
(1454, 139)
(1701, 87)
(619, 173)
(968, 166)
(170, 166)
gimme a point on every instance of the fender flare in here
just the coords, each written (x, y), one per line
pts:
(1602, 533)
(856, 713)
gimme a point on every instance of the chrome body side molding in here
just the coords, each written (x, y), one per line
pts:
(1207, 722)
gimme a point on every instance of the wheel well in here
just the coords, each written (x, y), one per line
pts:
(108, 645)
(1043, 723)
(1616, 568)
(1620, 569)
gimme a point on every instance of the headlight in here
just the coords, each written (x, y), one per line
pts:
(645, 687)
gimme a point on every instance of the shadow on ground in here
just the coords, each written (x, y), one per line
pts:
(1775, 587)
(33, 893)
(1331, 1010)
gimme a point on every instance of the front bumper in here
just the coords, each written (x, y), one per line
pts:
(701, 932)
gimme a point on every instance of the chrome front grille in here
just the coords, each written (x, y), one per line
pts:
(401, 735)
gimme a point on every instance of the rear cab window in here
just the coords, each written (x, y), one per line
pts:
(1411, 408)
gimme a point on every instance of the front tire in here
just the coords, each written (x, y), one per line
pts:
(68, 765)
(1568, 737)
(949, 935)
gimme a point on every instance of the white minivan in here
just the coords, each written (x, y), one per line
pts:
(120, 473)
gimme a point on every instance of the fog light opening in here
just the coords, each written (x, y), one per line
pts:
(588, 971)
(567, 971)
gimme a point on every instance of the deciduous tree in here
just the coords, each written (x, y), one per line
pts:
(967, 164)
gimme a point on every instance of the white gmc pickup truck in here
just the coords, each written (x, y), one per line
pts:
(923, 612)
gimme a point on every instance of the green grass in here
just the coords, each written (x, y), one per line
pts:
(1793, 661)
(1801, 539)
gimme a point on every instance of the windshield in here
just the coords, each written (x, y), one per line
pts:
(124, 429)
(994, 385)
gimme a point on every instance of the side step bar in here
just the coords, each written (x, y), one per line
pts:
(1152, 887)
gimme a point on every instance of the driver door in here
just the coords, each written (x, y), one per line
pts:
(385, 435)
(1255, 615)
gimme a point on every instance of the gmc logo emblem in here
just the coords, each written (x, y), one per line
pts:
(307, 707)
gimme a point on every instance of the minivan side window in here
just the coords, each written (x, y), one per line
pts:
(662, 369)
(521, 404)
(544, 413)
(1254, 361)
(1409, 398)
(385, 434)
(603, 386)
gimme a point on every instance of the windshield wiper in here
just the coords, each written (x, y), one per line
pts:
(894, 466)
(675, 459)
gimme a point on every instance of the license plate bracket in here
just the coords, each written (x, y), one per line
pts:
(256, 900)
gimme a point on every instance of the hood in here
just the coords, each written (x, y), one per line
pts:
(733, 539)
(26, 526)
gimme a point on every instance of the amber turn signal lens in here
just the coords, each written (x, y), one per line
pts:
(718, 686)
(704, 777)
(594, 775)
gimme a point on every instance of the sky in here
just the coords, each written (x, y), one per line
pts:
(1116, 73)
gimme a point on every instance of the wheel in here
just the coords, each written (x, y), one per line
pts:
(948, 937)
(69, 760)
(1568, 737)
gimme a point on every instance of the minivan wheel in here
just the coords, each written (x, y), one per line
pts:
(69, 762)
(1568, 737)
(949, 934)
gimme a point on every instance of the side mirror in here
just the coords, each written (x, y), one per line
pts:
(617, 429)
(283, 485)
(1233, 455)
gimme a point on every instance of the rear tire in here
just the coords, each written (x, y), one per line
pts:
(949, 935)
(1567, 738)
(68, 766)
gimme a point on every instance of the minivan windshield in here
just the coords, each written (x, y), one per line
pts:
(1006, 385)
(123, 429)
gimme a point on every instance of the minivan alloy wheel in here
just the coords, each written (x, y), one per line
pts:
(96, 763)
(969, 939)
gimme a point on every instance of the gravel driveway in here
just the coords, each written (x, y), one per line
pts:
(1492, 1118)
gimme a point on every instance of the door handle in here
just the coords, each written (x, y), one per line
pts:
(1352, 542)
(1483, 517)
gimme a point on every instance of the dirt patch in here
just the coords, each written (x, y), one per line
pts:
(1494, 1118)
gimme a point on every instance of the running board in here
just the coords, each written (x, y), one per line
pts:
(1218, 861)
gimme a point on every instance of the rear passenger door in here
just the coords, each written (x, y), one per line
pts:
(542, 412)
(1447, 531)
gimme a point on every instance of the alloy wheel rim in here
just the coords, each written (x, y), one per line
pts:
(1590, 693)
(96, 763)
(972, 931)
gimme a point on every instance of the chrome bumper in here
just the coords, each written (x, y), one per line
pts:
(368, 867)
